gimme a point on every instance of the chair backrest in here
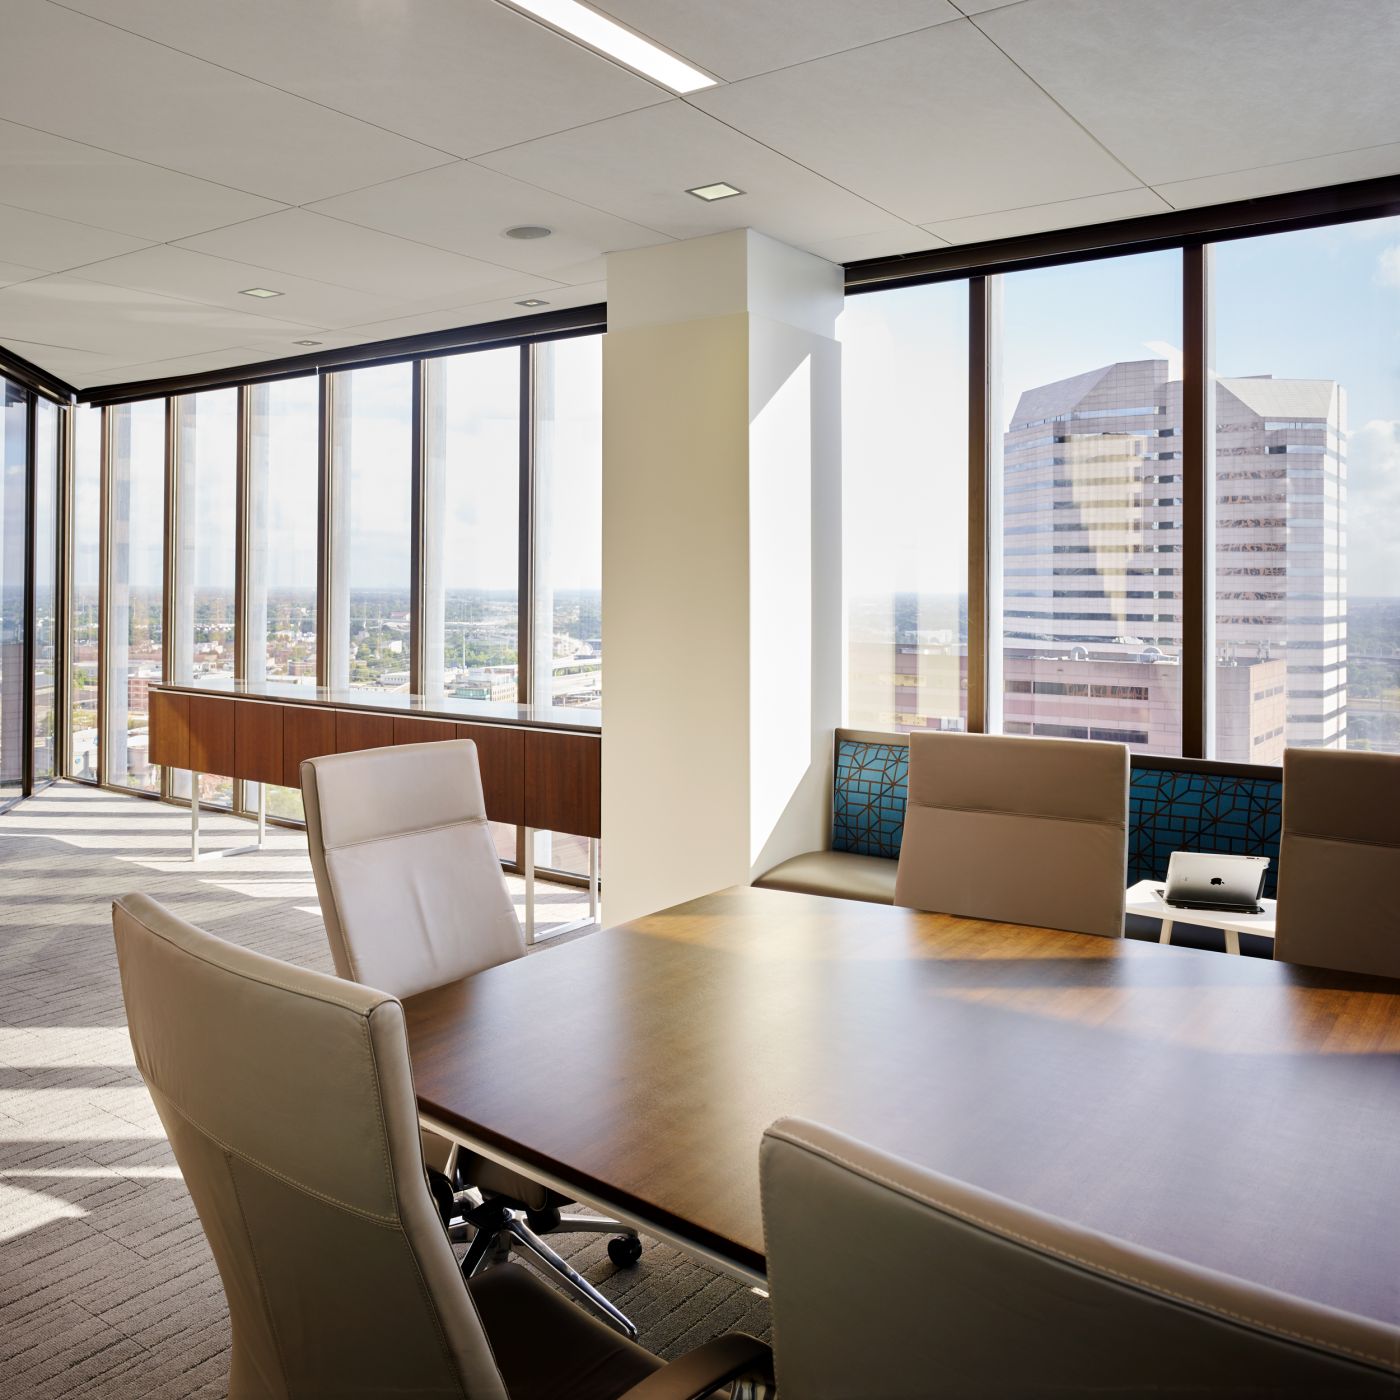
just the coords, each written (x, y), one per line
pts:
(1022, 831)
(288, 1099)
(410, 883)
(944, 1289)
(1339, 861)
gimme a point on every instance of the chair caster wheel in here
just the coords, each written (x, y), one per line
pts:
(624, 1250)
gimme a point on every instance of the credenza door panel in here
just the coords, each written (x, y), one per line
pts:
(257, 742)
(361, 729)
(170, 729)
(413, 729)
(308, 731)
(500, 752)
(563, 782)
(213, 719)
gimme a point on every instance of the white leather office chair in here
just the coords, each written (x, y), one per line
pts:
(288, 1099)
(413, 897)
(944, 1289)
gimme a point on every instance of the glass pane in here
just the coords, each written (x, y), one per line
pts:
(1090, 612)
(13, 471)
(472, 519)
(135, 588)
(205, 535)
(1307, 492)
(568, 646)
(284, 507)
(45, 585)
(84, 574)
(904, 461)
(371, 521)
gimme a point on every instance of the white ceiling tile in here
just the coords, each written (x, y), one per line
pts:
(737, 38)
(1337, 169)
(37, 240)
(979, 7)
(934, 125)
(1067, 213)
(462, 75)
(304, 244)
(909, 239)
(14, 272)
(181, 272)
(466, 209)
(640, 165)
(1197, 87)
(225, 358)
(73, 76)
(69, 180)
(66, 310)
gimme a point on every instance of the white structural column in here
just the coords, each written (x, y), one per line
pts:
(722, 617)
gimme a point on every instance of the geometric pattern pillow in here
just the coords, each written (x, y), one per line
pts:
(869, 797)
(1170, 810)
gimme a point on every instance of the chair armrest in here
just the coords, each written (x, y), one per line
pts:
(706, 1369)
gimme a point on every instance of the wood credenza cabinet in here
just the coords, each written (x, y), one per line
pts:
(532, 776)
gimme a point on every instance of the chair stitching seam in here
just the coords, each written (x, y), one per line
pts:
(1340, 840)
(448, 1357)
(261, 981)
(373, 1217)
(399, 835)
(257, 1264)
(1042, 1247)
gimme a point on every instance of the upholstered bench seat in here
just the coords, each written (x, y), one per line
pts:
(839, 874)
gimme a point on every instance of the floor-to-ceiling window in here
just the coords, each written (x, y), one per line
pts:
(371, 511)
(14, 470)
(84, 590)
(1307, 491)
(904, 465)
(567, 653)
(47, 423)
(204, 538)
(135, 588)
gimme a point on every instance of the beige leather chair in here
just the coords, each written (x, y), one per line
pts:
(1339, 861)
(413, 897)
(288, 1099)
(947, 1290)
(1021, 831)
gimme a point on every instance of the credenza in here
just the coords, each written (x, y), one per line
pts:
(541, 766)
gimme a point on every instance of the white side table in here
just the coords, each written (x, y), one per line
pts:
(1145, 898)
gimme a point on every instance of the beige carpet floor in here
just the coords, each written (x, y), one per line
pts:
(107, 1287)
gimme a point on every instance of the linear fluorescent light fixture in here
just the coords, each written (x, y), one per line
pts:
(710, 193)
(616, 41)
(259, 292)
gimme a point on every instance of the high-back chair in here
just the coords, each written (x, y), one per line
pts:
(948, 1290)
(1020, 831)
(413, 897)
(288, 1099)
(1339, 861)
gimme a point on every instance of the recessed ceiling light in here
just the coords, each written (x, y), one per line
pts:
(259, 292)
(532, 301)
(308, 342)
(710, 193)
(609, 37)
(529, 231)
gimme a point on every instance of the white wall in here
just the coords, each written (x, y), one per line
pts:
(721, 564)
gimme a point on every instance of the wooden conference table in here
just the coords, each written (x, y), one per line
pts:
(1237, 1113)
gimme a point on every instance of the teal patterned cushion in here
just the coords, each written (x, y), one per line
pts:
(868, 797)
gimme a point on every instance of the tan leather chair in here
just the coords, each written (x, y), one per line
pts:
(288, 1099)
(1339, 861)
(1020, 831)
(947, 1290)
(413, 897)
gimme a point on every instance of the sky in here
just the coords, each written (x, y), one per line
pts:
(1322, 303)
